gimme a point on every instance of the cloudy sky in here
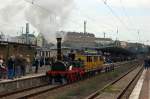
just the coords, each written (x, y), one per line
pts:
(129, 16)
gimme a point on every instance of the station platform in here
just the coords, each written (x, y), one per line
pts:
(30, 80)
(41, 72)
(22, 78)
(142, 88)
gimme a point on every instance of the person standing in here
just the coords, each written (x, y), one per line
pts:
(10, 67)
(37, 64)
(3, 69)
(17, 66)
(23, 66)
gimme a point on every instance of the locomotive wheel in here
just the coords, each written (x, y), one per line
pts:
(49, 77)
(63, 80)
(53, 81)
(50, 80)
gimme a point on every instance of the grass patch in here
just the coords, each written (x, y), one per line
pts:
(111, 89)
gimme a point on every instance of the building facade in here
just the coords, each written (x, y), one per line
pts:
(30, 39)
(104, 42)
(79, 40)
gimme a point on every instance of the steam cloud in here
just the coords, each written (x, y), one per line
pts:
(47, 16)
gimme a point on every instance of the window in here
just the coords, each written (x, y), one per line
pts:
(95, 58)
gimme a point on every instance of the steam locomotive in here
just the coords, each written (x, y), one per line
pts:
(74, 66)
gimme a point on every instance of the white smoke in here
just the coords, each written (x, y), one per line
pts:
(11, 16)
(47, 16)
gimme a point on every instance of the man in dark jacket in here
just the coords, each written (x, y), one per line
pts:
(17, 66)
(10, 66)
(23, 66)
(37, 64)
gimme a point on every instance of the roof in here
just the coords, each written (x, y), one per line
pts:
(6, 43)
(104, 39)
(80, 34)
(116, 50)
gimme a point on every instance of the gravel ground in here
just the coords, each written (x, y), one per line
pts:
(82, 89)
(113, 91)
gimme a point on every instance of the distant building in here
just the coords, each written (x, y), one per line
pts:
(79, 40)
(103, 42)
(137, 48)
(22, 39)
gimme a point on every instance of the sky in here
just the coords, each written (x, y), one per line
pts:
(129, 17)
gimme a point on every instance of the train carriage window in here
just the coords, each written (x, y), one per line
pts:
(100, 58)
(95, 58)
(87, 58)
(90, 58)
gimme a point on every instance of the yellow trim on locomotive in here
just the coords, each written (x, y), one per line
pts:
(90, 61)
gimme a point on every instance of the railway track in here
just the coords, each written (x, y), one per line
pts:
(123, 92)
(26, 92)
(32, 92)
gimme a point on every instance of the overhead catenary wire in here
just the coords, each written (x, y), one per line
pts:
(132, 22)
(118, 18)
(125, 13)
(129, 19)
(114, 14)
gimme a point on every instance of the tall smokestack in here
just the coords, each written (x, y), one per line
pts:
(59, 48)
(84, 26)
(27, 32)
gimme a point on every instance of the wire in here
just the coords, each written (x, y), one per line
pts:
(125, 13)
(118, 18)
(115, 15)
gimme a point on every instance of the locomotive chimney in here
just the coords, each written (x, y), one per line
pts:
(59, 48)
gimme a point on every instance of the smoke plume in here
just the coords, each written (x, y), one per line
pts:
(47, 16)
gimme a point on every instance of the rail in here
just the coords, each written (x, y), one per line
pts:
(95, 94)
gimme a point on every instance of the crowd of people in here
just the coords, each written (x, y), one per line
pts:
(17, 66)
